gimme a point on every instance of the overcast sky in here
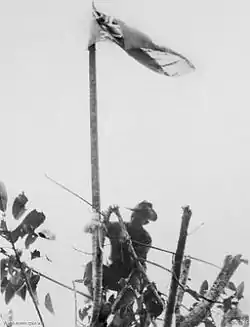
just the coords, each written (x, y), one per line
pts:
(170, 141)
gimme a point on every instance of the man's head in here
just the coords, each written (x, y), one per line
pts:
(143, 213)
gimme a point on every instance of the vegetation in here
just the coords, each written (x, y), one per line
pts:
(18, 279)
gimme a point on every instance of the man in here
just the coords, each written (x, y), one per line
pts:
(122, 264)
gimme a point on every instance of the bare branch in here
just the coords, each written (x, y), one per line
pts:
(177, 266)
(180, 293)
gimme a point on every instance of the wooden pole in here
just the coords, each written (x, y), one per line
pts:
(96, 242)
(177, 267)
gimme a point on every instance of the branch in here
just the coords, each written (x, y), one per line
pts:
(135, 257)
(51, 279)
(202, 309)
(180, 293)
(26, 279)
(61, 284)
(177, 266)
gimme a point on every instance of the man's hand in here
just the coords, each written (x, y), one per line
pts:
(93, 224)
(111, 209)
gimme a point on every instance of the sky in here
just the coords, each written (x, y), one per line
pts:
(172, 141)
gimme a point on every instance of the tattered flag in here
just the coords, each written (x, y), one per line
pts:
(160, 59)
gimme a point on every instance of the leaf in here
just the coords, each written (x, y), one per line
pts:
(48, 303)
(111, 299)
(30, 239)
(3, 197)
(18, 207)
(4, 268)
(13, 264)
(240, 290)
(227, 303)
(209, 323)
(33, 220)
(231, 286)
(4, 284)
(83, 313)
(35, 254)
(16, 279)
(45, 233)
(3, 225)
(203, 288)
(22, 292)
(9, 293)
(34, 279)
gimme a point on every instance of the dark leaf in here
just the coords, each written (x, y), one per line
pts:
(111, 299)
(33, 220)
(4, 284)
(203, 288)
(3, 197)
(34, 279)
(35, 254)
(18, 207)
(4, 268)
(105, 312)
(227, 303)
(231, 286)
(240, 290)
(9, 293)
(209, 323)
(48, 303)
(3, 225)
(13, 264)
(16, 279)
(47, 234)
(153, 306)
(22, 292)
(30, 239)
(84, 312)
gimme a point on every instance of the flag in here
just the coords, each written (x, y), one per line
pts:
(138, 45)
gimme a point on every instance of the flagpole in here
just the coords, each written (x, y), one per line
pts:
(96, 242)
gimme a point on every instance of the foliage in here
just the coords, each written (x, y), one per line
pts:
(228, 306)
(16, 277)
(127, 308)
